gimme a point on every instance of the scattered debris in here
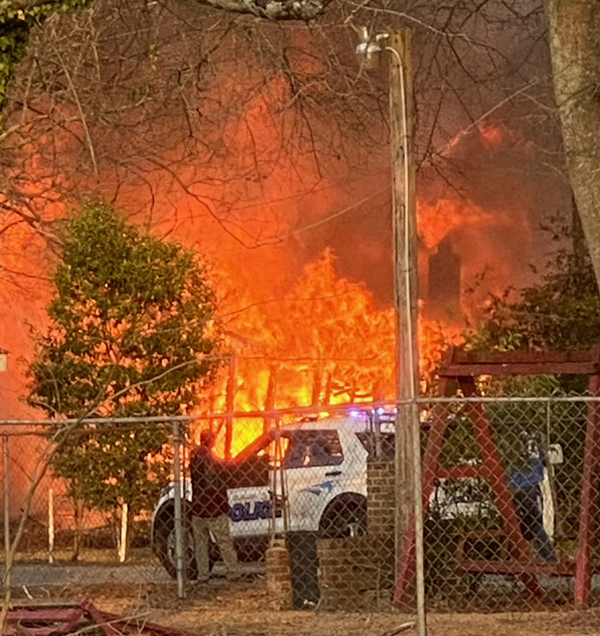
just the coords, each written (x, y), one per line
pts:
(401, 628)
(62, 619)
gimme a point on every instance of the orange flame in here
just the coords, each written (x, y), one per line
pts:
(323, 343)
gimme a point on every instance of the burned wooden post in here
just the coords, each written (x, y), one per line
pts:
(230, 405)
(270, 398)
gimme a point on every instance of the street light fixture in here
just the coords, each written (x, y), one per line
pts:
(369, 47)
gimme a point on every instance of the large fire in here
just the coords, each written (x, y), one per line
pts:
(325, 343)
(324, 339)
(253, 164)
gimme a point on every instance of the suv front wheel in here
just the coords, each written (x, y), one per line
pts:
(164, 544)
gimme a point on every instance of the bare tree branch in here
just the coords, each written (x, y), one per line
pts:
(272, 9)
(268, 9)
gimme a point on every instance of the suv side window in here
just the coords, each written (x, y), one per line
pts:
(309, 449)
(275, 449)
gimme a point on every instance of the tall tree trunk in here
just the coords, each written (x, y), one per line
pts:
(580, 251)
(574, 33)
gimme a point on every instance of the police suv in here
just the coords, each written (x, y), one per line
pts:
(317, 483)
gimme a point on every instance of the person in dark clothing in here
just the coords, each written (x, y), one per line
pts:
(210, 508)
(524, 484)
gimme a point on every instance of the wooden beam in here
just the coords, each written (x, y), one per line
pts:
(524, 357)
(474, 370)
(270, 398)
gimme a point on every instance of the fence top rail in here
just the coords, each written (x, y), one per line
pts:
(334, 409)
(274, 414)
(486, 399)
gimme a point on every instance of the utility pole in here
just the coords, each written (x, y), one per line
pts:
(409, 493)
(409, 504)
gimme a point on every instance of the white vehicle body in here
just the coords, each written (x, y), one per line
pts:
(308, 485)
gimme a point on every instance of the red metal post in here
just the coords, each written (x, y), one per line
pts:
(493, 471)
(431, 459)
(583, 568)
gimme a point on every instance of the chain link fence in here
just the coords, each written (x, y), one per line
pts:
(510, 498)
(77, 506)
(310, 504)
(510, 492)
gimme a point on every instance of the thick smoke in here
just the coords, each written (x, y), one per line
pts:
(262, 146)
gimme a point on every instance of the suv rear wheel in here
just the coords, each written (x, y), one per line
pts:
(345, 516)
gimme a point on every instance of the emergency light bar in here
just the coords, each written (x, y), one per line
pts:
(380, 413)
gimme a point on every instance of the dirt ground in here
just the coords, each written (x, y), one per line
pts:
(243, 610)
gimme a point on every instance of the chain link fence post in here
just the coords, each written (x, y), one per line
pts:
(415, 422)
(178, 513)
(5, 456)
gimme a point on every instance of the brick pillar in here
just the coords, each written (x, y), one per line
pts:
(344, 572)
(381, 516)
(279, 576)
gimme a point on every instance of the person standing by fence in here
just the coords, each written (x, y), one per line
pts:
(210, 508)
(524, 483)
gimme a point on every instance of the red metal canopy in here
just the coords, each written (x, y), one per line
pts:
(459, 373)
(59, 619)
